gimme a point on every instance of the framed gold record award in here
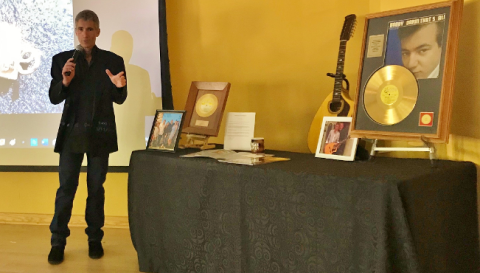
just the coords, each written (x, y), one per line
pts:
(205, 106)
(407, 72)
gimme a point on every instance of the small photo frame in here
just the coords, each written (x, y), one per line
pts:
(166, 129)
(334, 141)
(205, 106)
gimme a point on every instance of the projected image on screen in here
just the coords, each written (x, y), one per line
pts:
(32, 32)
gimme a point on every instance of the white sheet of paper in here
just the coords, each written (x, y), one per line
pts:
(239, 131)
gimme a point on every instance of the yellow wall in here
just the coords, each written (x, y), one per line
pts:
(35, 193)
(276, 55)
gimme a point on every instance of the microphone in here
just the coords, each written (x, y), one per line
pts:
(76, 53)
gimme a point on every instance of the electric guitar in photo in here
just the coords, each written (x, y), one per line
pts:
(331, 148)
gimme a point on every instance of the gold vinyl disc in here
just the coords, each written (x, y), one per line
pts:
(206, 105)
(390, 94)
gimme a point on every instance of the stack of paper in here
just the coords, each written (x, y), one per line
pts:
(244, 158)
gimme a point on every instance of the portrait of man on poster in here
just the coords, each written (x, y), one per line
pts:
(421, 48)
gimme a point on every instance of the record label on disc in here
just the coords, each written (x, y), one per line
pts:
(206, 105)
(389, 94)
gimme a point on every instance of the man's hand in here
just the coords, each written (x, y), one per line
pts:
(119, 79)
(68, 67)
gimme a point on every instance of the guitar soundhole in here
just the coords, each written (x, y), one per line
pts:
(335, 107)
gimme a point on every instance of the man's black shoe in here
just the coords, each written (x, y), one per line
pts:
(56, 255)
(95, 250)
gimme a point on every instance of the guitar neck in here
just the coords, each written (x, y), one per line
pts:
(337, 91)
(343, 141)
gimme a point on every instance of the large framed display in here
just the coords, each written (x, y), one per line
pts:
(205, 106)
(407, 72)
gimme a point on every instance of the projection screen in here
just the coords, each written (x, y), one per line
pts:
(34, 31)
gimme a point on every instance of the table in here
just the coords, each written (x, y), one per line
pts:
(304, 215)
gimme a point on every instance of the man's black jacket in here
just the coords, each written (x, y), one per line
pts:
(100, 125)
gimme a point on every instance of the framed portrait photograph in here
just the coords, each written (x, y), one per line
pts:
(166, 129)
(205, 106)
(334, 141)
(406, 74)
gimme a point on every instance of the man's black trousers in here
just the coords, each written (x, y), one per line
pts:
(69, 171)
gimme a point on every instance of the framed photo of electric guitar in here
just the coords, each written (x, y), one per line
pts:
(334, 141)
(407, 73)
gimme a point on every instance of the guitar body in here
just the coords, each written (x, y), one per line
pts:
(323, 111)
(330, 148)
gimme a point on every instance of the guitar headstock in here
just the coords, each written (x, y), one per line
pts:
(348, 27)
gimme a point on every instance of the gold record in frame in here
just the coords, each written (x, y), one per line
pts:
(205, 120)
(206, 105)
(390, 94)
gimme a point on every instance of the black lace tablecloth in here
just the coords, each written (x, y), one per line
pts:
(304, 215)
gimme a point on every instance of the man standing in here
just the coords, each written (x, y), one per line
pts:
(89, 87)
(422, 49)
(166, 133)
(332, 142)
(173, 134)
(334, 134)
(160, 133)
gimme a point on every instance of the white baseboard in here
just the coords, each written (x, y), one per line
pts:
(45, 219)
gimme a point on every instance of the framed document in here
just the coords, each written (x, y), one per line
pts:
(204, 108)
(406, 74)
(166, 129)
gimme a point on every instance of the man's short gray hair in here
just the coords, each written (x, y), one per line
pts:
(88, 15)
